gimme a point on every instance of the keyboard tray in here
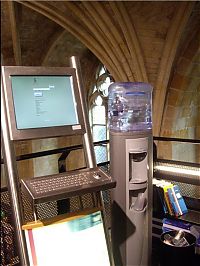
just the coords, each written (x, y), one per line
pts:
(65, 185)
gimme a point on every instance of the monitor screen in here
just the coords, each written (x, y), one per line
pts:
(42, 102)
(77, 240)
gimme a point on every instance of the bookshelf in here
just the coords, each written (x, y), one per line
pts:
(192, 217)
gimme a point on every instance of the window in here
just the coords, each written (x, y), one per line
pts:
(98, 112)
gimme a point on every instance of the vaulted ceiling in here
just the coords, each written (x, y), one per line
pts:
(155, 42)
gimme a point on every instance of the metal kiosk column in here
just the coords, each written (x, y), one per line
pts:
(49, 102)
(131, 166)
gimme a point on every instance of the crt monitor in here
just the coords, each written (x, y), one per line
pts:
(42, 102)
(74, 240)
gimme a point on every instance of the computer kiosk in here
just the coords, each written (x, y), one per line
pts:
(43, 102)
(130, 127)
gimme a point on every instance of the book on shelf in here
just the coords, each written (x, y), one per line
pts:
(171, 198)
(158, 185)
(161, 195)
(159, 202)
(174, 202)
(168, 200)
(180, 199)
(174, 224)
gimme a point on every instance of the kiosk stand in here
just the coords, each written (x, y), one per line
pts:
(42, 102)
(131, 166)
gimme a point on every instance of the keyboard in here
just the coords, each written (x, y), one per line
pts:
(61, 186)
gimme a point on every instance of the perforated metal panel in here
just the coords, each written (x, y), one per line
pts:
(47, 210)
(8, 250)
(107, 198)
(74, 204)
(27, 209)
(87, 201)
(107, 205)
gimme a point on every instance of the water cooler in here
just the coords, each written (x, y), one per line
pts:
(131, 165)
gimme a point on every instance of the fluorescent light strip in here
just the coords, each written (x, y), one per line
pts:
(177, 170)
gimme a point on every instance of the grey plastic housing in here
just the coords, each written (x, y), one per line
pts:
(132, 197)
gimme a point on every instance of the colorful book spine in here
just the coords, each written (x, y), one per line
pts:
(180, 200)
(162, 200)
(168, 227)
(177, 202)
(167, 200)
(176, 223)
(170, 198)
(173, 201)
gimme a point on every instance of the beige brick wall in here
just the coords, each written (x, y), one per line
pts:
(182, 109)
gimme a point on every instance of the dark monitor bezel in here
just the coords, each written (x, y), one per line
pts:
(45, 132)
